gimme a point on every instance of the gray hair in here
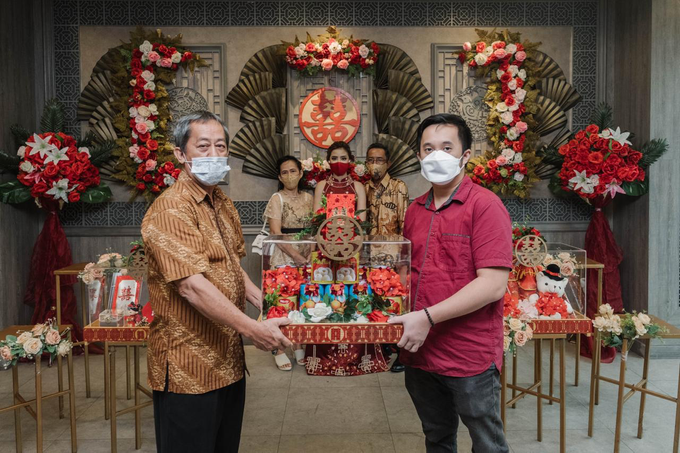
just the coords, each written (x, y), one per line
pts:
(182, 129)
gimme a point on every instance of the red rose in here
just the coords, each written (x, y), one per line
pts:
(51, 170)
(520, 82)
(155, 189)
(622, 173)
(141, 186)
(634, 157)
(499, 45)
(152, 145)
(377, 316)
(187, 56)
(136, 64)
(135, 72)
(479, 170)
(614, 159)
(609, 168)
(492, 163)
(143, 153)
(277, 312)
(375, 48)
(592, 129)
(73, 196)
(616, 146)
(480, 47)
(290, 51)
(633, 172)
(147, 177)
(148, 94)
(518, 147)
(300, 65)
(39, 189)
(595, 158)
(163, 49)
(641, 175)
(509, 101)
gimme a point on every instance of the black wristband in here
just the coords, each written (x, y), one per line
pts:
(429, 317)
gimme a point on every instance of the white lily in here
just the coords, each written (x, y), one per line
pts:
(41, 145)
(583, 182)
(616, 135)
(59, 190)
(56, 156)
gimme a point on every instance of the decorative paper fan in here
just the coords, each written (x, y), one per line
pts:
(98, 90)
(405, 130)
(550, 116)
(249, 87)
(551, 161)
(403, 159)
(388, 103)
(250, 135)
(392, 57)
(547, 67)
(110, 61)
(261, 160)
(411, 88)
(268, 60)
(269, 104)
(561, 138)
(560, 92)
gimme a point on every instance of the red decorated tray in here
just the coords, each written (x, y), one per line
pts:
(578, 324)
(328, 333)
(134, 334)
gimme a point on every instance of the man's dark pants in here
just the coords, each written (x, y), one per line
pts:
(441, 400)
(205, 423)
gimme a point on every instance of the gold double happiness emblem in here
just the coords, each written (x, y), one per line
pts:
(530, 251)
(343, 238)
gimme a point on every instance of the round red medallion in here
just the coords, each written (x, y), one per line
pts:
(329, 115)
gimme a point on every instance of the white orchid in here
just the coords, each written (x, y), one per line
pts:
(56, 156)
(616, 135)
(319, 312)
(41, 145)
(59, 190)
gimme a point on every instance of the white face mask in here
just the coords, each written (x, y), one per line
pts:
(209, 170)
(440, 167)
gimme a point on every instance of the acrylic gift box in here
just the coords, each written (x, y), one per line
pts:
(337, 300)
(114, 297)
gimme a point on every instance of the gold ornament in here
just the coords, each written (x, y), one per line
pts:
(530, 251)
(343, 238)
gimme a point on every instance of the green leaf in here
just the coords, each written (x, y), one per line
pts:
(53, 117)
(555, 186)
(11, 338)
(20, 135)
(636, 188)
(100, 154)
(652, 151)
(9, 163)
(602, 116)
(13, 192)
(98, 194)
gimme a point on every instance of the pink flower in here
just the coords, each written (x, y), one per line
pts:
(39, 329)
(501, 160)
(343, 64)
(153, 56)
(310, 47)
(521, 338)
(467, 46)
(6, 353)
(150, 165)
(52, 337)
(142, 128)
(133, 151)
(327, 64)
(521, 127)
(166, 63)
(500, 53)
(520, 56)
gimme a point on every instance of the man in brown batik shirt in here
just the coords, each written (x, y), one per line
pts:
(198, 292)
(387, 200)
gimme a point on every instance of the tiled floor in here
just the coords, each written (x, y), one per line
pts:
(293, 412)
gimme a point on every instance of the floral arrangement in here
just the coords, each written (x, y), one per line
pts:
(508, 168)
(631, 326)
(386, 282)
(521, 230)
(315, 170)
(516, 333)
(42, 338)
(565, 260)
(148, 62)
(106, 263)
(331, 51)
(550, 305)
(285, 281)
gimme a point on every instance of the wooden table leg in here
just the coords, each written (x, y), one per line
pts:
(72, 401)
(619, 403)
(138, 415)
(593, 378)
(676, 439)
(17, 412)
(597, 346)
(112, 399)
(643, 395)
(85, 308)
(60, 378)
(38, 407)
(539, 401)
(514, 375)
(128, 375)
(107, 384)
(552, 369)
(563, 397)
(577, 363)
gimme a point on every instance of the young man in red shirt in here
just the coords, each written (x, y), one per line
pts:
(461, 255)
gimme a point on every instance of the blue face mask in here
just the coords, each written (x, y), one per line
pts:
(209, 170)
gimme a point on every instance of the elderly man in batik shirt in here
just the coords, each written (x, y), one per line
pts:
(386, 201)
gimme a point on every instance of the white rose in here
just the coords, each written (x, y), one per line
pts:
(33, 346)
(600, 323)
(360, 170)
(26, 166)
(133, 82)
(133, 112)
(480, 59)
(150, 86)
(168, 180)
(320, 312)
(307, 164)
(315, 62)
(146, 47)
(363, 51)
(176, 57)
(499, 73)
(345, 43)
(52, 337)
(518, 177)
(21, 151)
(300, 51)
(153, 109)
(513, 70)
(151, 125)
(514, 107)
(639, 326)
(488, 51)
(511, 48)
(522, 74)
(64, 348)
(501, 107)
(646, 320)
(520, 94)
(148, 75)
(517, 159)
(360, 319)
(24, 337)
(336, 47)
(140, 119)
(515, 324)
(512, 85)
(296, 317)
(506, 117)
(508, 153)
(606, 310)
(512, 133)
(506, 342)
(85, 150)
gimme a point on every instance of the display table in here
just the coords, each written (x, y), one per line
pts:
(113, 337)
(555, 331)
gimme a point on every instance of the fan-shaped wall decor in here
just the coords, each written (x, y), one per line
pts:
(250, 135)
(261, 160)
(411, 88)
(549, 117)
(248, 87)
(269, 104)
(561, 138)
(392, 57)
(560, 92)
(268, 60)
(405, 130)
(403, 159)
(98, 90)
(547, 67)
(110, 61)
(388, 103)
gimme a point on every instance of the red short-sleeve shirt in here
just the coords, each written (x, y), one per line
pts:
(472, 230)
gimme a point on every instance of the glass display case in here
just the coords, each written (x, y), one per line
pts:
(367, 286)
(113, 296)
(549, 283)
